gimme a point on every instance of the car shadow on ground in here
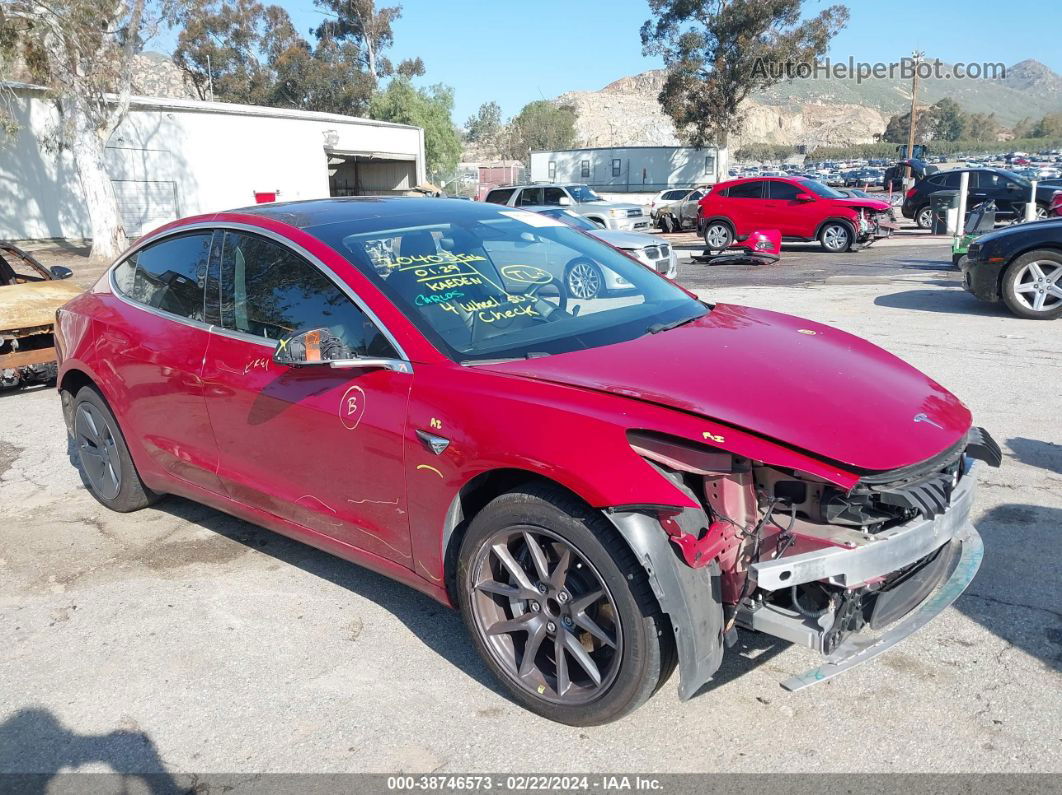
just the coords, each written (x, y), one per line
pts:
(1017, 594)
(1046, 455)
(35, 747)
(952, 302)
(438, 627)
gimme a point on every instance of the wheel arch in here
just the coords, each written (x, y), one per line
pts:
(836, 219)
(473, 497)
(704, 222)
(70, 383)
(1055, 248)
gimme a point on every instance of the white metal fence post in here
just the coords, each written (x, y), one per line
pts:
(1030, 206)
(964, 185)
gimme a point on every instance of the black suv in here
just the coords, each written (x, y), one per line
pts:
(1009, 191)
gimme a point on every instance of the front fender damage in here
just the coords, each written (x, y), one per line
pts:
(690, 596)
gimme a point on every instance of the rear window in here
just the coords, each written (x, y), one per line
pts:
(168, 275)
(745, 190)
(500, 196)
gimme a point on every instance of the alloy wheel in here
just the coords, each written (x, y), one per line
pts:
(717, 237)
(1039, 286)
(924, 219)
(584, 281)
(835, 237)
(545, 615)
(97, 451)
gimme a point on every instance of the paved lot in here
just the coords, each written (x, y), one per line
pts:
(178, 639)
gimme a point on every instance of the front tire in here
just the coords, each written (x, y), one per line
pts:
(560, 609)
(835, 237)
(106, 467)
(1032, 285)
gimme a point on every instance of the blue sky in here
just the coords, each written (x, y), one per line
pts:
(516, 51)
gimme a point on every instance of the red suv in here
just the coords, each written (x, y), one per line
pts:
(799, 208)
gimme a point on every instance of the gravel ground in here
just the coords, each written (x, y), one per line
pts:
(180, 640)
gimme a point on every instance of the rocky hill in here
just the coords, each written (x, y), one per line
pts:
(813, 111)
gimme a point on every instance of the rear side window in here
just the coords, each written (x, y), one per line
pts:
(269, 291)
(168, 275)
(500, 196)
(745, 190)
(530, 197)
(782, 190)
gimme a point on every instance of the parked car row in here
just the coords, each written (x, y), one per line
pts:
(1008, 190)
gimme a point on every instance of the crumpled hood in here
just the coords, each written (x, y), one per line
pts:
(863, 204)
(806, 385)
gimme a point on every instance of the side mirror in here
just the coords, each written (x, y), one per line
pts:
(320, 347)
(564, 201)
(60, 272)
(805, 197)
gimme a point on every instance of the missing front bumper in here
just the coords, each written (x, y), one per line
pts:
(858, 649)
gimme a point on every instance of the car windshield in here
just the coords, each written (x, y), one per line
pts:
(571, 219)
(486, 284)
(821, 190)
(581, 193)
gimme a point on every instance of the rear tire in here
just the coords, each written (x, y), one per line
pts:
(923, 216)
(106, 467)
(513, 585)
(1034, 280)
(718, 236)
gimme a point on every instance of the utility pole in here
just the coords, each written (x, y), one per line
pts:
(210, 79)
(917, 55)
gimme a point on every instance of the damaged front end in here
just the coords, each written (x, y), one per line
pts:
(873, 225)
(794, 556)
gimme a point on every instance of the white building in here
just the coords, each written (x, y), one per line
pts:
(176, 157)
(631, 169)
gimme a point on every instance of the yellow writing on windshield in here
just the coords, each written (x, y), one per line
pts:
(526, 274)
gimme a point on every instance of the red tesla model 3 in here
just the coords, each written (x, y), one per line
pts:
(605, 487)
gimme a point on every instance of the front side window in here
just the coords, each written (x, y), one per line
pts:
(530, 197)
(487, 283)
(553, 195)
(584, 169)
(269, 291)
(782, 190)
(169, 275)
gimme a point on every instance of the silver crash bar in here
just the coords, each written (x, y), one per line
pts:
(858, 649)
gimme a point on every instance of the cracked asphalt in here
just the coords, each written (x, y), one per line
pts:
(180, 640)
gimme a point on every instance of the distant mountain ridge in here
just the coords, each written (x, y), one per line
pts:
(816, 110)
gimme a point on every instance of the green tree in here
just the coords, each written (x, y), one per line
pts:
(248, 52)
(718, 51)
(1050, 126)
(82, 52)
(983, 127)
(540, 125)
(947, 120)
(484, 125)
(368, 28)
(897, 129)
(429, 108)
(1023, 129)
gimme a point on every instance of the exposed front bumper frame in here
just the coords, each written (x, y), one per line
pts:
(876, 555)
(860, 648)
